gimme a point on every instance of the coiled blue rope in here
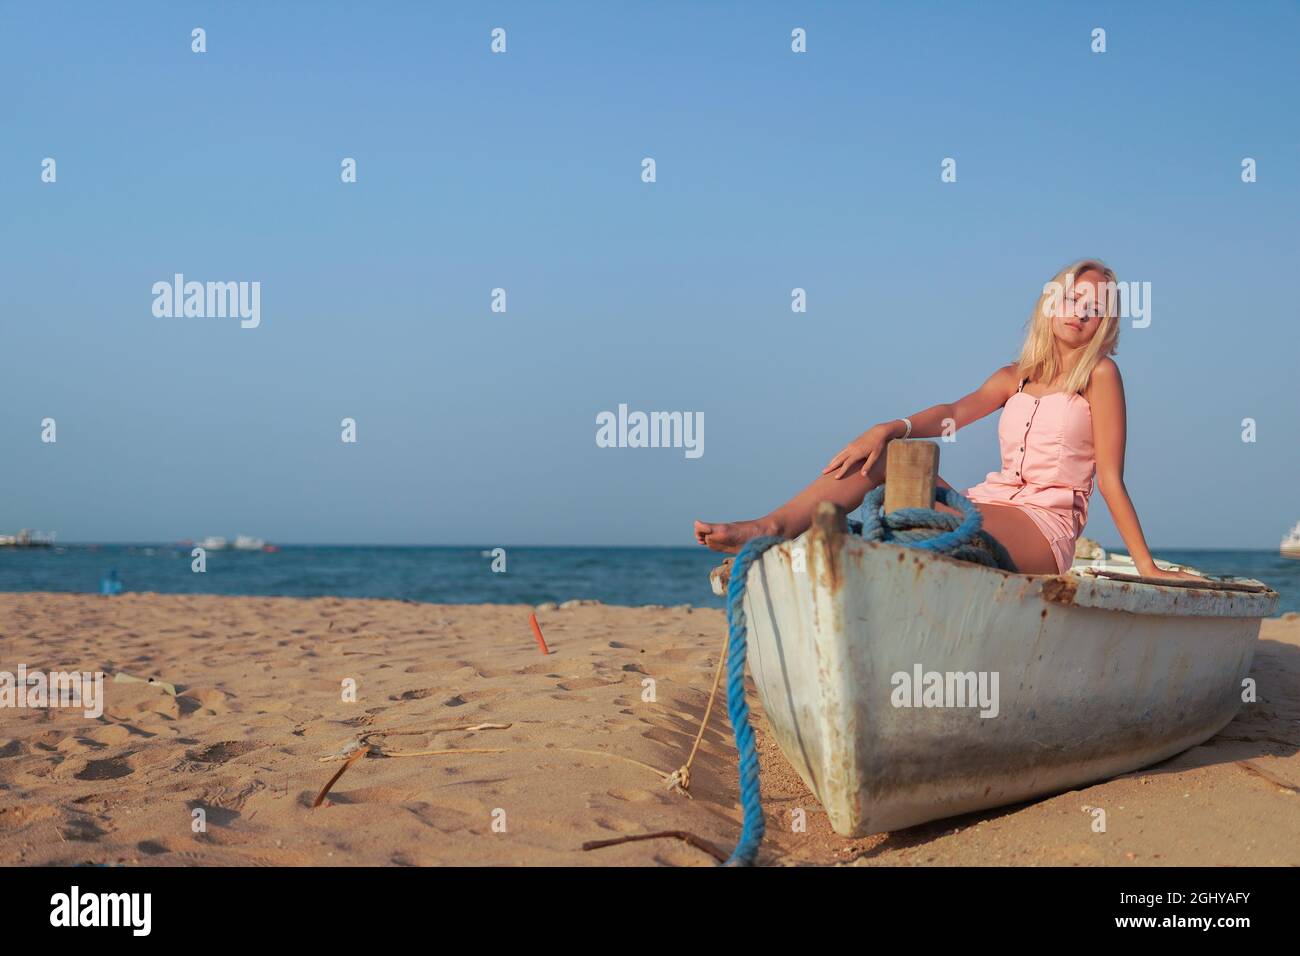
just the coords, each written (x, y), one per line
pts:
(923, 528)
(932, 530)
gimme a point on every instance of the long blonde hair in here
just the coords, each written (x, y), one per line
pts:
(1038, 359)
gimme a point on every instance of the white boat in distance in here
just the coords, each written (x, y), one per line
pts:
(213, 543)
(27, 538)
(1291, 543)
(244, 543)
(1098, 673)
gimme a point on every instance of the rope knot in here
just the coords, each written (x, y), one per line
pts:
(679, 781)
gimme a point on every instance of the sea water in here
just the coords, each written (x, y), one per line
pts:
(462, 575)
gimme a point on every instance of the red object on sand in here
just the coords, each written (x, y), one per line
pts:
(537, 633)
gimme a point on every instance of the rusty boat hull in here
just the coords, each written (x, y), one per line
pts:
(1095, 677)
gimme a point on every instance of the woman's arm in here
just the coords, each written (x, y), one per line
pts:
(1109, 437)
(927, 423)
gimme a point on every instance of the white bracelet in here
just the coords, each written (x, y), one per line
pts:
(908, 423)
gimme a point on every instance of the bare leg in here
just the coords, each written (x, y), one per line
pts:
(1012, 528)
(794, 517)
(1016, 531)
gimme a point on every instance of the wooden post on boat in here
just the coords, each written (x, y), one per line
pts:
(911, 472)
(911, 475)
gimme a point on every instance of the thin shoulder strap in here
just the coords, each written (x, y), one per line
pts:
(1022, 385)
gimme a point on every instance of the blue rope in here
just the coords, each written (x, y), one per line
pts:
(932, 530)
(751, 833)
(922, 528)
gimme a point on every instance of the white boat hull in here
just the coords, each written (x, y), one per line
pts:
(1095, 677)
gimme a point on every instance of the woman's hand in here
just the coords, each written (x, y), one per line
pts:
(866, 448)
(1160, 573)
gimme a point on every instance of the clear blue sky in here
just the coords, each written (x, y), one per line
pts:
(522, 171)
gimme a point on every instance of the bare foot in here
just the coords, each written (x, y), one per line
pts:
(730, 537)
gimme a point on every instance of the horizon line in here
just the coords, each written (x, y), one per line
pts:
(665, 547)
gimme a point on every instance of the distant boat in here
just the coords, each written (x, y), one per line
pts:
(213, 543)
(244, 543)
(27, 539)
(1291, 543)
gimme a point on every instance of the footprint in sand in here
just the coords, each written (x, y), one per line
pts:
(683, 856)
(74, 745)
(48, 741)
(470, 665)
(109, 735)
(223, 751)
(109, 769)
(540, 668)
(83, 830)
(414, 694)
(139, 702)
(481, 697)
(585, 682)
(619, 826)
(679, 653)
(215, 814)
(208, 699)
(424, 667)
(632, 795)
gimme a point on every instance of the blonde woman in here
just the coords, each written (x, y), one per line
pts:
(1063, 421)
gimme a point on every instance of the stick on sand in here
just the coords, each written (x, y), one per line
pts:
(320, 797)
(690, 838)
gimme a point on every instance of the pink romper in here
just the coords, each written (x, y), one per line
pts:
(1047, 466)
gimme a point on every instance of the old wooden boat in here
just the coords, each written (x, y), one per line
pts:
(905, 686)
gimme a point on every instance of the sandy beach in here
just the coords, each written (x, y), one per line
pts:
(574, 749)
